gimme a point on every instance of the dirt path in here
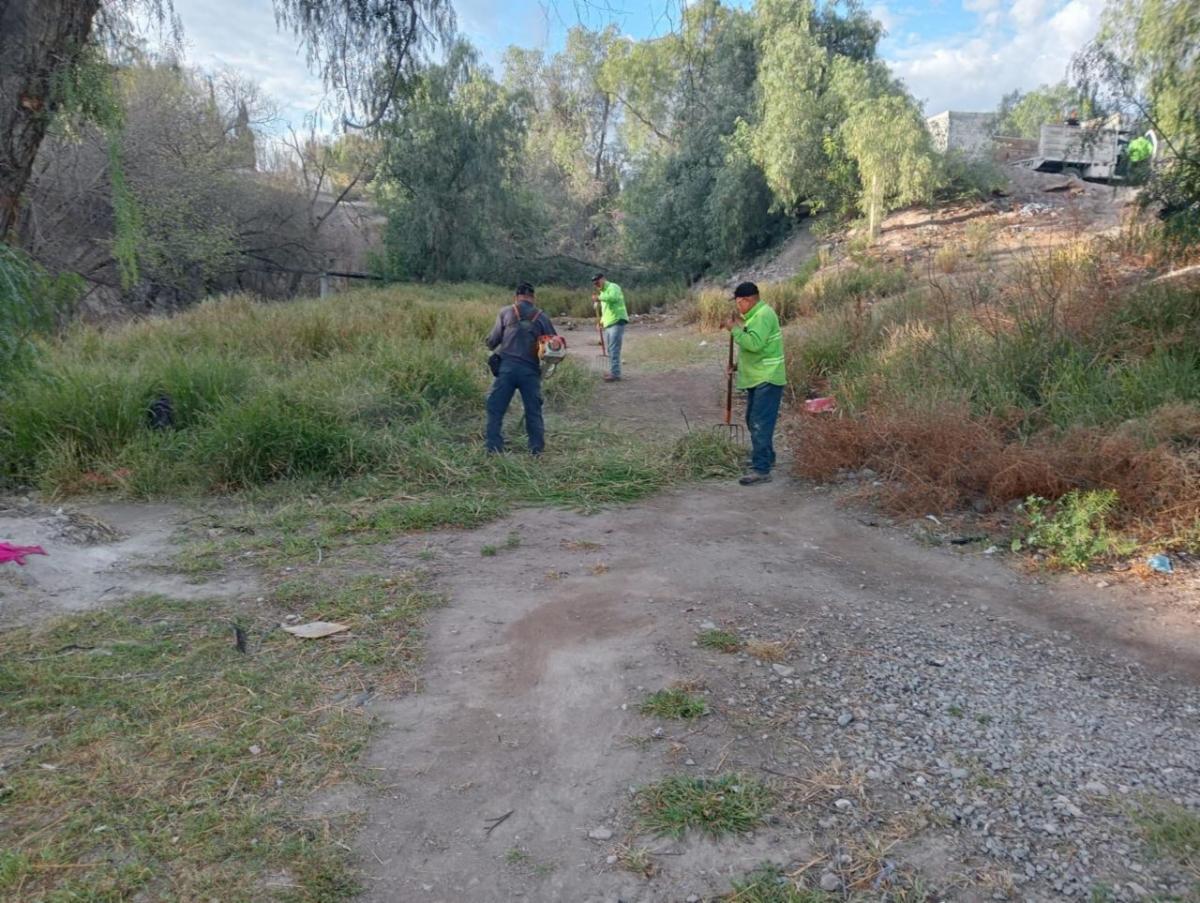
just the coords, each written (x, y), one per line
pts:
(933, 717)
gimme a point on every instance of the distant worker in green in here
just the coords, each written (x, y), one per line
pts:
(760, 371)
(609, 301)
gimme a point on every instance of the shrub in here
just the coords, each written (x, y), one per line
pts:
(1074, 530)
(948, 258)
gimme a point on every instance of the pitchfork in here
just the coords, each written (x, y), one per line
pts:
(734, 432)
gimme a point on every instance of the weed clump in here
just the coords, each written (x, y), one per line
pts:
(727, 804)
(721, 640)
(674, 703)
(1074, 530)
(769, 884)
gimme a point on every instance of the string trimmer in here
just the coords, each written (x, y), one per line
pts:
(734, 432)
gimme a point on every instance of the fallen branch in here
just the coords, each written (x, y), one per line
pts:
(1193, 270)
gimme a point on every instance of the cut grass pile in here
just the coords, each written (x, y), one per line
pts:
(726, 804)
(987, 388)
(156, 761)
(674, 703)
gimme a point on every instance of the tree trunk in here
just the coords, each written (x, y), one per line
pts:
(39, 40)
(873, 217)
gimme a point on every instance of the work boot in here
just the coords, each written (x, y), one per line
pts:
(609, 378)
(754, 477)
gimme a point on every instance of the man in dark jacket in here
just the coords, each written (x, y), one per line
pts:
(515, 338)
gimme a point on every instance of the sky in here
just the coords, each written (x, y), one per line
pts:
(952, 54)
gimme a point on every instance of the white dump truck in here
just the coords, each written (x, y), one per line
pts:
(1096, 150)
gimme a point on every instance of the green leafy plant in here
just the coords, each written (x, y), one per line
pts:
(1074, 530)
(674, 703)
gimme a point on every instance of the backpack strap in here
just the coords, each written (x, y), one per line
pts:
(517, 313)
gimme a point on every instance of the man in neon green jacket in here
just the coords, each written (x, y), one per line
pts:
(609, 301)
(760, 371)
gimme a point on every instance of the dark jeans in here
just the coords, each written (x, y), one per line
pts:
(516, 377)
(762, 410)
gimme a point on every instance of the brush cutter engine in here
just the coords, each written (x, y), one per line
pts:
(552, 350)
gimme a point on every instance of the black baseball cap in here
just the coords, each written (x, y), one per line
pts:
(524, 288)
(597, 277)
(745, 290)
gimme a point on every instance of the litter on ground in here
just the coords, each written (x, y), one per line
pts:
(18, 553)
(314, 630)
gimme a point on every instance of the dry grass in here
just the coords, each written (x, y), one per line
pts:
(767, 650)
(940, 461)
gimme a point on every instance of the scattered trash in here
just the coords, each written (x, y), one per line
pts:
(991, 550)
(704, 343)
(255, 749)
(1160, 563)
(314, 630)
(18, 553)
(821, 405)
(933, 517)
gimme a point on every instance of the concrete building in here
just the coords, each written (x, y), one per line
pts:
(967, 133)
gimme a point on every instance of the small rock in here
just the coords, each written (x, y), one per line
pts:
(611, 860)
(830, 882)
(255, 749)
(959, 774)
(600, 833)
(708, 625)
(844, 804)
(783, 670)
(844, 719)
(692, 898)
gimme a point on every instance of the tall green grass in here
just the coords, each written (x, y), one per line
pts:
(384, 386)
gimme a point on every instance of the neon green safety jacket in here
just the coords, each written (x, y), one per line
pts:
(761, 343)
(612, 305)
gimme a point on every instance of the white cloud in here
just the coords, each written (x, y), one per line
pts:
(971, 71)
(1027, 12)
(244, 37)
(886, 17)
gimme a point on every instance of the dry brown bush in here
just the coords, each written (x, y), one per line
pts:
(949, 460)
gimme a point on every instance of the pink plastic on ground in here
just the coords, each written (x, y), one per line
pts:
(820, 405)
(17, 553)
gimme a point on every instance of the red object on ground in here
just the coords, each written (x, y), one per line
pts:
(17, 553)
(820, 405)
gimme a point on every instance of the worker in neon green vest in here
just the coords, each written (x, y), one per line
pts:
(761, 373)
(609, 301)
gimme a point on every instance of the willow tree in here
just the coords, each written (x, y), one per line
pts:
(888, 141)
(364, 49)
